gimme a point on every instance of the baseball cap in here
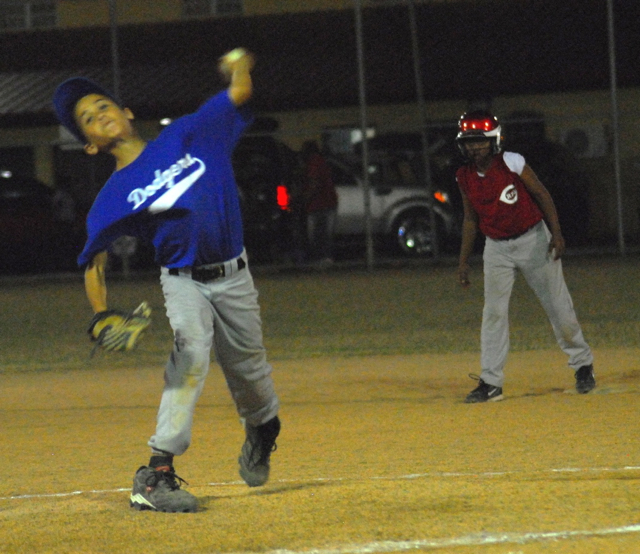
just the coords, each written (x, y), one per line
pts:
(66, 97)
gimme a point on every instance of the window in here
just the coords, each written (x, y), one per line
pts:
(342, 175)
(27, 15)
(204, 8)
(342, 140)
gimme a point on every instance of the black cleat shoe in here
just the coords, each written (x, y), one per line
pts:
(483, 392)
(256, 451)
(585, 379)
(158, 489)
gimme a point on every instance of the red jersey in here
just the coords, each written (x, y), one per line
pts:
(324, 196)
(499, 197)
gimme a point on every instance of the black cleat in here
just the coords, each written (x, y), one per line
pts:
(483, 392)
(256, 451)
(585, 379)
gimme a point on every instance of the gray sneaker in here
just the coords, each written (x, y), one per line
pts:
(256, 451)
(159, 490)
(585, 379)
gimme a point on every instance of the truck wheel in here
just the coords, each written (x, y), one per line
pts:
(413, 235)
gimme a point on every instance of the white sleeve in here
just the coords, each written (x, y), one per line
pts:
(515, 162)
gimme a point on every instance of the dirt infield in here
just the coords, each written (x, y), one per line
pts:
(377, 454)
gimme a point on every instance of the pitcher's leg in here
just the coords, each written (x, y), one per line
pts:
(240, 351)
(191, 319)
(499, 276)
(242, 356)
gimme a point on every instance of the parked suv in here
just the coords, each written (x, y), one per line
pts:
(400, 204)
(266, 172)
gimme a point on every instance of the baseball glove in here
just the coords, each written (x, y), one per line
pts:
(115, 330)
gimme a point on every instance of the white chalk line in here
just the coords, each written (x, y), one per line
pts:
(485, 474)
(482, 539)
(60, 494)
(467, 540)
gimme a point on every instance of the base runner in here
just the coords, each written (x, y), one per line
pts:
(505, 200)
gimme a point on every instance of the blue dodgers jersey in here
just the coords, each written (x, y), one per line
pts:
(180, 193)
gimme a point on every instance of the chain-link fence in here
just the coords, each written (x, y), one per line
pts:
(546, 69)
(399, 73)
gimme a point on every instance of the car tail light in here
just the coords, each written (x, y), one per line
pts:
(441, 197)
(283, 198)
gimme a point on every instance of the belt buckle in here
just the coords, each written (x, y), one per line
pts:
(204, 275)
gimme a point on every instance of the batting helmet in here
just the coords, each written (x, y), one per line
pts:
(479, 125)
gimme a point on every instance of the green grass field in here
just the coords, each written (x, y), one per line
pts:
(345, 312)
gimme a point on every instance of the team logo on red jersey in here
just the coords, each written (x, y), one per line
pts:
(509, 195)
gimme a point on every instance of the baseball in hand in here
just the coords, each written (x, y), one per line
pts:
(234, 55)
(228, 61)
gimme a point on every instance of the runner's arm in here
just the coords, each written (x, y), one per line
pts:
(544, 200)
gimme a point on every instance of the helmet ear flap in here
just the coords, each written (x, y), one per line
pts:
(496, 142)
(460, 145)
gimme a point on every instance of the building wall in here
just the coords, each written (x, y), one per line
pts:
(89, 13)
(263, 7)
(560, 111)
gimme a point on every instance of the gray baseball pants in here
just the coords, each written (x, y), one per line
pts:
(529, 254)
(224, 315)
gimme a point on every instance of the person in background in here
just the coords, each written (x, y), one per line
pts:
(320, 202)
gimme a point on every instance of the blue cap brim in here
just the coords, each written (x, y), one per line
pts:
(66, 97)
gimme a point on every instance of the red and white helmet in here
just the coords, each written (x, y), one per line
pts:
(477, 125)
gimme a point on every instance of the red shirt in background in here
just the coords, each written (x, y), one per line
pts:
(319, 188)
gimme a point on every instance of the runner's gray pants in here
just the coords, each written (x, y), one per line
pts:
(528, 254)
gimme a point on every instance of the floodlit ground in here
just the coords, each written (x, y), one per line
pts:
(378, 453)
